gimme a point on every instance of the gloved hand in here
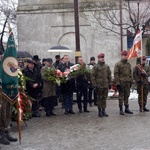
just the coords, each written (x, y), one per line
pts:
(140, 83)
(130, 84)
(118, 87)
(143, 74)
(109, 87)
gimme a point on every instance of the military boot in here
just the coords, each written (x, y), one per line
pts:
(145, 109)
(121, 110)
(100, 114)
(52, 113)
(127, 110)
(9, 137)
(140, 108)
(104, 112)
(3, 139)
(48, 114)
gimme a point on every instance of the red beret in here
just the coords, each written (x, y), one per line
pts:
(124, 52)
(144, 58)
(101, 55)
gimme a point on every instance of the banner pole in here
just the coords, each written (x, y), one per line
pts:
(18, 121)
(141, 66)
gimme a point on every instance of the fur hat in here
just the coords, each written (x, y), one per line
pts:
(50, 60)
(92, 58)
(36, 58)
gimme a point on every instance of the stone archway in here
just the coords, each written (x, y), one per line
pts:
(68, 40)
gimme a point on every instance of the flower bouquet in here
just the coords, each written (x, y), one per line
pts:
(24, 100)
(54, 76)
(78, 70)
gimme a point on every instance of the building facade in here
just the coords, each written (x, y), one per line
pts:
(43, 24)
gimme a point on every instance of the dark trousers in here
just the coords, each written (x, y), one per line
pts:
(92, 90)
(82, 92)
(34, 107)
(68, 101)
(5, 114)
(49, 104)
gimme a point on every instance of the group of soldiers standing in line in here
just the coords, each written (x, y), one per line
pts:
(99, 82)
(123, 78)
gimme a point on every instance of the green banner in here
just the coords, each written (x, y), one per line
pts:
(9, 71)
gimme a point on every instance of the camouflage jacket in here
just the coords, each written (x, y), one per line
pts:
(137, 74)
(122, 72)
(101, 75)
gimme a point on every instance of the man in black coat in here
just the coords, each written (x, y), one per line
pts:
(33, 85)
(91, 88)
(68, 87)
(82, 88)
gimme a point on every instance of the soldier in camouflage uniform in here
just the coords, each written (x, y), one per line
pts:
(101, 79)
(140, 75)
(123, 79)
(5, 117)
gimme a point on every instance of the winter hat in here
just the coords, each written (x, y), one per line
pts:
(101, 55)
(124, 53)
(92, 58)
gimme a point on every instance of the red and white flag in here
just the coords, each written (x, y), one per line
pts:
(136, 49)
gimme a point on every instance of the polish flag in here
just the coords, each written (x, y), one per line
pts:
(136, 49)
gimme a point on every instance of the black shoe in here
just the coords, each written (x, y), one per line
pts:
(121, 112)
(127, 111)
(80, 111)
(52, 114)
(145, 109)
(66, 112)
(4, 140)
(9, 137)
(90, 105)
(48, 114)
(86, 111)
(104, 112)
(36, 115)
(71, 112)
(100, 114)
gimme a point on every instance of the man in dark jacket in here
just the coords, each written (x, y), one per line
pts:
(91, 88)
(58, 90)
(33, 85)
(57, 62)
(68, 87)
(37, 62)
(82, 87)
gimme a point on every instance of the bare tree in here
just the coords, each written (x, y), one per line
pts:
(106, 13)
(7, 19)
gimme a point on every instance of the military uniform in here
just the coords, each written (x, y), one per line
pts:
(5, 119)
(101, 79)
(140, 75)
(123, 79)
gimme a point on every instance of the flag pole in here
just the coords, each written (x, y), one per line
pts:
(18, 121)
(142, 68)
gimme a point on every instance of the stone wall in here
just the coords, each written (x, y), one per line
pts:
(43, 24)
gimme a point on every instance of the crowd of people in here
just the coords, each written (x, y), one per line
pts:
(89, 90)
